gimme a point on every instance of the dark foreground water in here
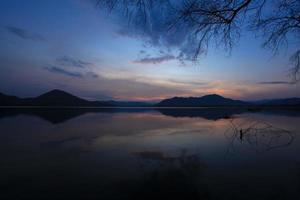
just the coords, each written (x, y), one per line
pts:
(149, 154)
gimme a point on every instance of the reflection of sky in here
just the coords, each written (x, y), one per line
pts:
(35, 36)
(98, 150)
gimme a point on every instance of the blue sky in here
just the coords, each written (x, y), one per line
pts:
(74, 46)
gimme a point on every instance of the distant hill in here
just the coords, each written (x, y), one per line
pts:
(204, 101)
(9, 100)
(279, 102)
(61, 98)
(57, 98)
(130, 104)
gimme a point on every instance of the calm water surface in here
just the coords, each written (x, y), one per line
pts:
(149, 154)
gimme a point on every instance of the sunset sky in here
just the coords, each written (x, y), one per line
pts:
(73, 46)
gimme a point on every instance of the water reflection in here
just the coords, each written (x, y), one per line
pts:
(167, 177)
(257, 135)
(131, 154)
(61, 115)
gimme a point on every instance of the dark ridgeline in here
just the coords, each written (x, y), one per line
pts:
(214, 100)
(280, 102)
(59, 98)
(7, 100)
(130, 103)
(208, 100)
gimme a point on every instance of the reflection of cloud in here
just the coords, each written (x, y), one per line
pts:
(274, 82)
(24, 34)
(72, 62)
(58, 70)
(155, 60)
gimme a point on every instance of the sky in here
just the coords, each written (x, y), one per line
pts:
(74, 46)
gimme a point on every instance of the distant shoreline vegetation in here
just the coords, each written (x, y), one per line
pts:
(62, 99)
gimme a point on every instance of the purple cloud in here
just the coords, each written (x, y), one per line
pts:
(58, 70)
(24, 34)
(155, 60)
(72, 62)
(274, 82)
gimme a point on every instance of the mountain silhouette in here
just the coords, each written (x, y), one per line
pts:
(56, 98)
(130, 104)
(59, 98)
(9, 100)
(62, 98)
(280, 102)
(62, 106)
(204, 101)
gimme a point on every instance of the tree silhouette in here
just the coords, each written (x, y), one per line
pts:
(218, 22)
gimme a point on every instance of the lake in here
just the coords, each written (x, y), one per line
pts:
(139, 153)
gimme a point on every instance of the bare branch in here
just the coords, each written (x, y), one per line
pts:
(217, 22)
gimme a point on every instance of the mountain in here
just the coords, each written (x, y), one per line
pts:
(130, 104)
(62, 98)
(9, 100)
(57, 98)
(204, 101)
(279, 102)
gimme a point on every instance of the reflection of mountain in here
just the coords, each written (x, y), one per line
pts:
(60, 103)
(206, 113)
(60, 115)
(52, 115)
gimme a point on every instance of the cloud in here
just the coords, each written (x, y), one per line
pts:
(72, 62)
(80, 68)
(92, 74)
(275, 83)
(24, 34)
(155, 60)
(187, 82)
(58, 70)
(156, 31)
